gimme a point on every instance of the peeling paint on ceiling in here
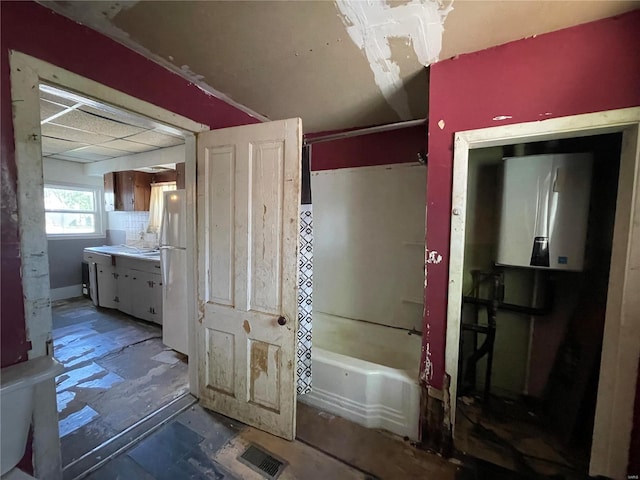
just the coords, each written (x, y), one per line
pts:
(326, 62)
(372, 25)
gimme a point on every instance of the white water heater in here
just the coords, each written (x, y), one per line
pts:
(545, 210)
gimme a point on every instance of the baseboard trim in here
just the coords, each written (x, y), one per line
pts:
(63, 293)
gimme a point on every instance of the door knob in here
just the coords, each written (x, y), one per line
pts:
(282, 320)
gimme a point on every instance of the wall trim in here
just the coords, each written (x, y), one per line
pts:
(26, 74)
(62, 293)
(386, 166)
(621, 342)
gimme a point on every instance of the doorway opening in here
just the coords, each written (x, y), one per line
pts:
(125, 356)
(531, 338)
(618, 368)
(72, 119)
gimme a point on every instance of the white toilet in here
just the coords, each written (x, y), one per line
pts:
(17, 384)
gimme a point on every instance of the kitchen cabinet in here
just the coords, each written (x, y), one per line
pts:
(127, 191)
(107, 286)
(101, 265)
(129, 283)
(109, 192)
(130, 191)
(147, 290)
(124, 287)
(139, 288)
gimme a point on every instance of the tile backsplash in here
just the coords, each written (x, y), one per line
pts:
(134, 224)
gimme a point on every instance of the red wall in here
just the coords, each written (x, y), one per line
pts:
(583, 69)
(35, 30)
(384, 148)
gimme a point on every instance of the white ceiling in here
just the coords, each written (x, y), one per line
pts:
(78, 129)
(335, 64)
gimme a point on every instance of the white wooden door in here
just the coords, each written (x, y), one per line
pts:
(248, 220)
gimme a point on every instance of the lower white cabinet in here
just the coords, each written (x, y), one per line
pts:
(131, 285)
(146, 288)
(124, 285)
(107, 286)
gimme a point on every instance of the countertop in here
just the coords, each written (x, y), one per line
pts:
(148, 254)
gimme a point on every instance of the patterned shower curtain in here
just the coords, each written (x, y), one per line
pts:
(305, 299)
(305, 278)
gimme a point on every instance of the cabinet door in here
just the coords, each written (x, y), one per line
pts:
(125, 297)
(109, 192)
(107, 286)
(141, 191)
(93, 284)
(124, 191)
(155, 284)
(147, 296)
(140, 301)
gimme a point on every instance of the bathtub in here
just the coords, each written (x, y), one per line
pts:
(366, 373)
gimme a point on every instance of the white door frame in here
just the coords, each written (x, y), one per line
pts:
(621, 342)
(26, 74)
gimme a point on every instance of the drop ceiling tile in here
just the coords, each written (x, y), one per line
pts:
(57, 156)
(56, 99)
(156, 138)
(86, 155)
(119, 116)
(55, 145)
(73, 134)
(95, 150)
(92, 123)
(128, 147)
(48, 109)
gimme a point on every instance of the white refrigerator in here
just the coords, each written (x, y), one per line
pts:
(173, 263)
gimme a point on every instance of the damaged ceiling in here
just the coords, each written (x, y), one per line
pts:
(335, 64)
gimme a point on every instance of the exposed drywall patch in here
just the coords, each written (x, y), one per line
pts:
(98, 16)
(371, 24)
(190, 73)
(434, 257)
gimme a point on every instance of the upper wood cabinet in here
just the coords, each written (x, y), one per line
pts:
(131, 191)
(109, 192)
(127, 191)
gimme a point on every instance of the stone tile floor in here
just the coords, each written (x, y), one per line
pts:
(117, 371)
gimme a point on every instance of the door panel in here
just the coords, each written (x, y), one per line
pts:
(221, 179)
(248, 207)
(265, 282)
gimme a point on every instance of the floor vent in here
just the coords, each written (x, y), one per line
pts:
(262, 462)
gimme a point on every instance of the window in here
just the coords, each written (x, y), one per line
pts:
(72, 211)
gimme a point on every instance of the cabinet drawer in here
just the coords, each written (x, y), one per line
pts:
(150, 266)
(99, 258)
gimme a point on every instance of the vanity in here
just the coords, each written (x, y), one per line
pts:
(126, 278)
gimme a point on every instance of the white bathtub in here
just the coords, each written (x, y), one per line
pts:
(366, 373)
